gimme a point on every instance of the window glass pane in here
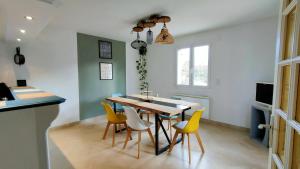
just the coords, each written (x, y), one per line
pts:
(289, 36)
(201, 65)
(281, 139)
(183, 66)
(296, 151)
(285, 87)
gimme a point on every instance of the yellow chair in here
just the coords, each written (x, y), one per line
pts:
(188, 127)
(112, 118)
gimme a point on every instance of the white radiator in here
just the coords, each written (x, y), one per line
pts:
(202, 100)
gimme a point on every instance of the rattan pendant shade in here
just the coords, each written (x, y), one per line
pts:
(164, 37)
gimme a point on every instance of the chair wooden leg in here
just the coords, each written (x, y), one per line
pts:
(169, 124)
(189, 147)
(199, 141)
(106, 130)
(127, 137)
(113, 134)
(151, 136)
(148, 117)
(127, 130)
(182, 141)
(162, 120)
(173, 141)
(141, 115)
(170, 128)
(139, 143)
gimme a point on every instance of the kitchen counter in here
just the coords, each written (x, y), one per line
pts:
(24, 124)
(28, 97)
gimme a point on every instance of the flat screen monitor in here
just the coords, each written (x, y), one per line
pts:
(264, 93)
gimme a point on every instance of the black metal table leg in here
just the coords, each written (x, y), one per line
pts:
(115, 107)
(158, 150)
(156, 135)
(115, 110)
(164, 130)
(182, 119)
(139, 112)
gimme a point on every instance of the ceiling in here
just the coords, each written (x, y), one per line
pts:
(115, 18)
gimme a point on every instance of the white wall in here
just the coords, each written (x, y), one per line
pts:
(240, 56)
(7, 74)
(132, 80)
(51, 65)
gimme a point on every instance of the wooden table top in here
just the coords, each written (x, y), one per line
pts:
(154, 104)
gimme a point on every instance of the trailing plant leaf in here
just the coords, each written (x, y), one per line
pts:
(142, 68)
(143, 51)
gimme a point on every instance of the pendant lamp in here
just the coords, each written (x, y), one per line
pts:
(149, 24)
(137, 44)
(164, 37)
(149, 36)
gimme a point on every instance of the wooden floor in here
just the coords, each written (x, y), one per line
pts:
(82, 148)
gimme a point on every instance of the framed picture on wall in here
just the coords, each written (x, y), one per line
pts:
(105, 49)
(106, 71)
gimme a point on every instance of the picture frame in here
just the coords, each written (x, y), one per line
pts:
(106, 71)
(105, 49)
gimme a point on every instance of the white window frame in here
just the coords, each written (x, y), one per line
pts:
(191, 79)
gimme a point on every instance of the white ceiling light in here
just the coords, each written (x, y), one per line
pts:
(29, 18)
(23, 31)
(19, 40)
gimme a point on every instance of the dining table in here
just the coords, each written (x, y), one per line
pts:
(158, 106)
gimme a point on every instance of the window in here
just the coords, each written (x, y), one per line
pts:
(201, 66)
(183, 66)
(193, 66)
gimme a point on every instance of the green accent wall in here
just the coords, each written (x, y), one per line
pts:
(92, 90)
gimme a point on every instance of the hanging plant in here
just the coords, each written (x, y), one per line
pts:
(143, 51)
(142, 68)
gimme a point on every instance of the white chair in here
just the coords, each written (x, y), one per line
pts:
(134, 123)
